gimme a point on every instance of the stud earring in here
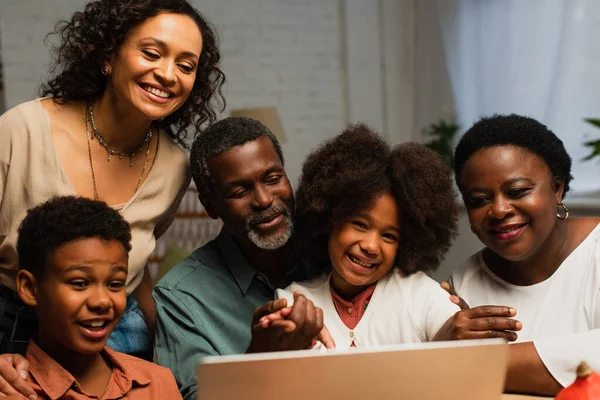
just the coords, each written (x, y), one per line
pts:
(104, 70)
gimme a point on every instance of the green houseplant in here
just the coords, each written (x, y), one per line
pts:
(594, 145)
(442, 135)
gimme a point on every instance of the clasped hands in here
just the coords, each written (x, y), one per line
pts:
(478, 322)
(278, 327)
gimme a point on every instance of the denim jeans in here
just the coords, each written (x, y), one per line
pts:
(131, 336)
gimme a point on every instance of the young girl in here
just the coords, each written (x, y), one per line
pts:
(376, 218)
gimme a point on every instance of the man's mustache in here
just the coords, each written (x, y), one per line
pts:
(266, 215)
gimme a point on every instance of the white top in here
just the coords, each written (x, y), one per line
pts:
(31, 173)
(403, 309)
(561, 315)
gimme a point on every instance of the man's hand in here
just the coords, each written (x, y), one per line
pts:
(324, 336)
(14, 370)
(478, 323)
(294, 329)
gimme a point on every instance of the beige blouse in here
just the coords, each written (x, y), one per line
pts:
(31, 173)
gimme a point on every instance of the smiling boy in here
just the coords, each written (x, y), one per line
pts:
(73, 256)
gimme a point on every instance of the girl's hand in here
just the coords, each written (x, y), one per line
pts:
(478, 323)
(325, 337)
(266, 321)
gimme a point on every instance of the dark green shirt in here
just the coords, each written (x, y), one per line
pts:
(204, 306)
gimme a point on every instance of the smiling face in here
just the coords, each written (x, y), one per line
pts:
(511, 199)
(154, 70)
(252, 194)
(363, 248)
(81, 296)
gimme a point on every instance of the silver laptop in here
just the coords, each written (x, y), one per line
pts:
(465, 370)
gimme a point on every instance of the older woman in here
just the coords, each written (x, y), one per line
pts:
(513, 173)
(132, 78)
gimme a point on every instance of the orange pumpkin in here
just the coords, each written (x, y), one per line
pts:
(585, 387)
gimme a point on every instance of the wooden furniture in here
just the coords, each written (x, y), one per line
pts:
(191, 229)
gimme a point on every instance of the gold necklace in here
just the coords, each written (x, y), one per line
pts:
(110, 148)
(89, 139)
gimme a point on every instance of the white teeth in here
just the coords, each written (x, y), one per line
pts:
(94, 324)
(509, 230)
(156, 92)
(359, 262)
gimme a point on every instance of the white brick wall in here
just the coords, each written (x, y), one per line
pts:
(290, 54)
(283, 53)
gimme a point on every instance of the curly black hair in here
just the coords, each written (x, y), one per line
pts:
(91, 37)
(348, 173)
(60, 220)
(515, 130)
(219, 138)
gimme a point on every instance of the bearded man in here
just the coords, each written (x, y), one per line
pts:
(212, 302)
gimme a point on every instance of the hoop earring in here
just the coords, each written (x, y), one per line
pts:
(565, 210)
(104, 70)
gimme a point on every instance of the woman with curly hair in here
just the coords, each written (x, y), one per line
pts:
(377, 218)
(513, 173)
(131, 79)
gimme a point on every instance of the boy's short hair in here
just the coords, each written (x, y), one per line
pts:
(347, 174)
(62, 220)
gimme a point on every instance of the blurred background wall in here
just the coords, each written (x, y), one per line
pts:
(399, 65)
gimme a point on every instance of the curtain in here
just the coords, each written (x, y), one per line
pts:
(539, 58)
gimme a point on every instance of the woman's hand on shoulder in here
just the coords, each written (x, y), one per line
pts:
(14, 370)
(481, 322)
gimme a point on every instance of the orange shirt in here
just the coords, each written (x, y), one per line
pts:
(351, 312)
(132, 378)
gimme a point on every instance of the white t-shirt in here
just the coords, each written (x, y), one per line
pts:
(402, 309)
(561, 315)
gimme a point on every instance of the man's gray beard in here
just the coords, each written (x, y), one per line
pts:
(273, 242)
